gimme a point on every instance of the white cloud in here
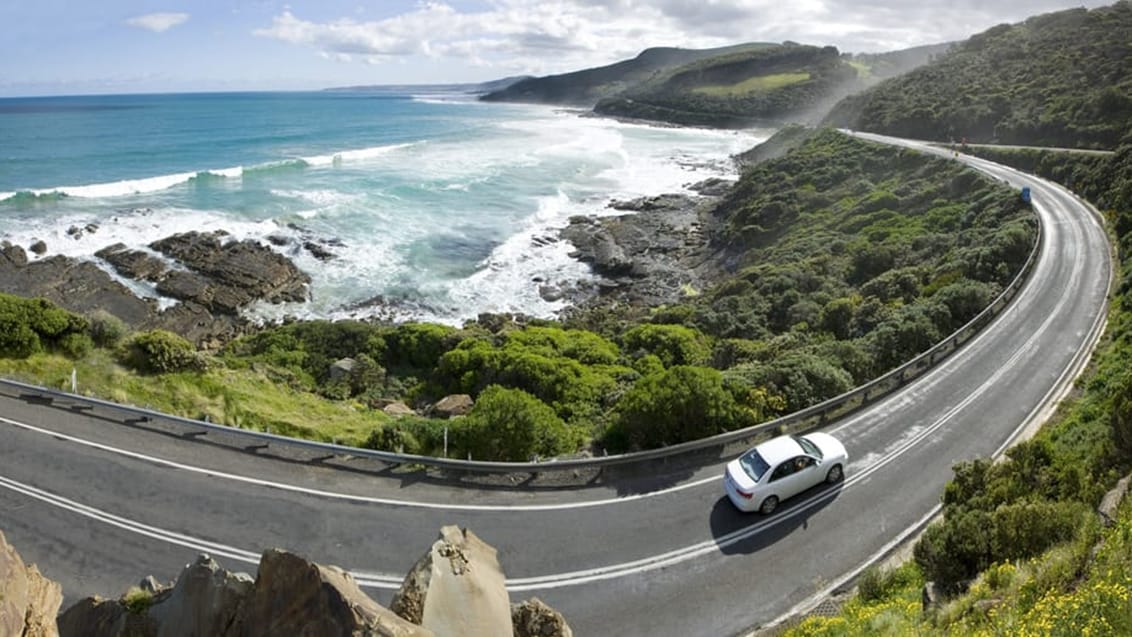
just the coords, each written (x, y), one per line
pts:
(549, 36)
(158, 22)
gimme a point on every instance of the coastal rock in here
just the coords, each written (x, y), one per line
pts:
(318, 250)
(452, 405)
(13, 254)
(29, 601)
(240, 271)
(134, 264)
(456, 588)
(79, 286)
(656, 255)
(205, 600)
(533, 618)
(38, 247)
(83, 287)
(712, 187)
(293, 596)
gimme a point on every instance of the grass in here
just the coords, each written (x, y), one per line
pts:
(864, 71)
(240, 398)
(758, 84)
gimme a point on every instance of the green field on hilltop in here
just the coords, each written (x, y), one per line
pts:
(759, 84)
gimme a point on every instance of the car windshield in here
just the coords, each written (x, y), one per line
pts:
(809, 447)
(753, 464)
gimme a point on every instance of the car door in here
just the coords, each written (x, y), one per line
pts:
(794, 476)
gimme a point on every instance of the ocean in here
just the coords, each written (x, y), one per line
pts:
(428, 199)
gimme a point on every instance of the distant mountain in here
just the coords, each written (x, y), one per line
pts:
(1058, 79)
(471, 89)
(586, 87)
(732, 86)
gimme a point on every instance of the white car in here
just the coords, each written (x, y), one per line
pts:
(783, 467)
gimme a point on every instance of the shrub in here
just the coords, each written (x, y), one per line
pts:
(417, 346)
(137, 600)
(28, 326)
(673, 344)
(75, 345)
(106, 330)
(159, 351)
(512, 425)
(681, 403)
(17, 339)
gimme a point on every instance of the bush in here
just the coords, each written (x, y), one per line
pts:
(75, 345)
(106, 330)
(28, 326)
(673, 344)
(162, 352)
(511, 425)
(679, 404)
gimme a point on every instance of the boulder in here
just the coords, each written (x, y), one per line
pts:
(29, 601)
(398, 408)
(456, 588)
(38, 247)
(1111, 502)
(533, 618)
(13, 254)
(206, 600)
(453, 405)
(342, 368)
(295, 597)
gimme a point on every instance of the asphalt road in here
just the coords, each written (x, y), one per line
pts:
(99, 504)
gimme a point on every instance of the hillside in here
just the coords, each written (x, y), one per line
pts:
(584, 88)
(1059, 79)
(773, 84)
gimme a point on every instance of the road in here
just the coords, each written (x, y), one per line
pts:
(98, 504)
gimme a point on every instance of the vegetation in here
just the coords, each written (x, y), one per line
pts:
(1059, 79)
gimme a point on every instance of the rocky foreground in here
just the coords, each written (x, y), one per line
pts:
(455, 589)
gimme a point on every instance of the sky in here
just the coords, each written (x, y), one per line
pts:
(69, 47)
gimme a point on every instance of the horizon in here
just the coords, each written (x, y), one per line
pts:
(125, 47)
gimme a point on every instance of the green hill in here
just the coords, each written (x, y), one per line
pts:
(772, 84)
(586, 87)
(1059, 79)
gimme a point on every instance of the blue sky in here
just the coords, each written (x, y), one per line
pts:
(126, 46)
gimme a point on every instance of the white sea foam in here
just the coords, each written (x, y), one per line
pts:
(360, 154)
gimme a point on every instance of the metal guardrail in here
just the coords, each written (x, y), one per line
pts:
(696, 452)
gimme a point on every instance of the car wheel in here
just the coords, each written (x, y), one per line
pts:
(769, 505)
(835, 474)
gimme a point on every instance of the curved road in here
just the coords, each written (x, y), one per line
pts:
(98, 504)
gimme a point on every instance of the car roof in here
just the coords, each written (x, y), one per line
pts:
(778, 449)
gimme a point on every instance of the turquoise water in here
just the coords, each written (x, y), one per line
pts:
(430, 200)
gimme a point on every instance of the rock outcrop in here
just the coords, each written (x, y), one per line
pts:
(230, 274)
(29, 601)
(457, 588)
(533, 618)
(655, 255)
(295, 597)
